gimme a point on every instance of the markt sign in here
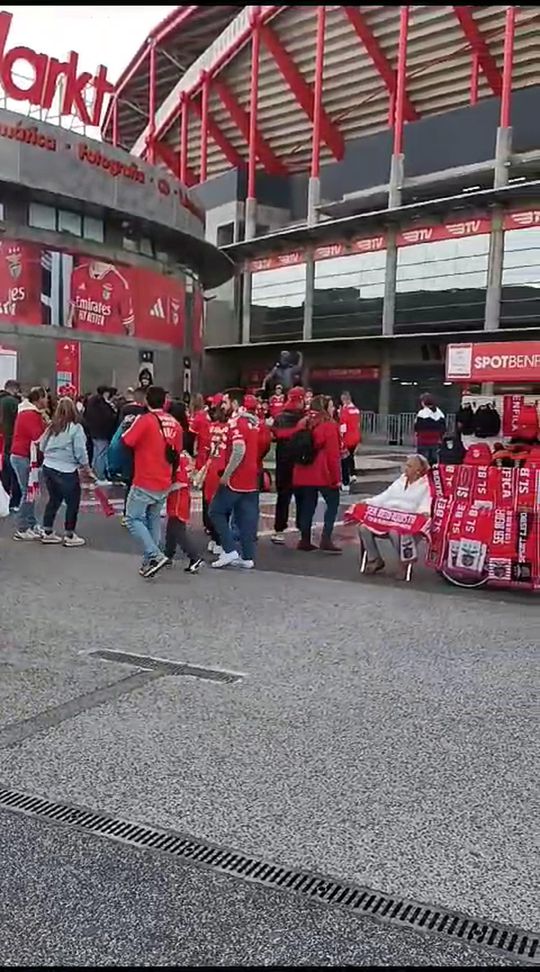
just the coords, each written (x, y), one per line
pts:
(47, 73)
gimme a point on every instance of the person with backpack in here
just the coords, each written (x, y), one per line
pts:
(156, 441)
(316, 452)
(285, 424)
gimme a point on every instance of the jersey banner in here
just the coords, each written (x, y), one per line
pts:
(50, 287)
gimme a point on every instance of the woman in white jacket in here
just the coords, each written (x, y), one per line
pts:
(410, 493)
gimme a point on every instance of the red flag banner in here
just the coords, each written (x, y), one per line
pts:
(380, 520)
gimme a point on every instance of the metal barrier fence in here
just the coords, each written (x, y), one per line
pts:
(393, 429)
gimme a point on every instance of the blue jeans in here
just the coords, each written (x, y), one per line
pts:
(99, 459)
(27, 516)
(243, 508)
(62, 487)
(306, 504)
(143, 520)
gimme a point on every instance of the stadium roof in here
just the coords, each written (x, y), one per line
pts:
(454, 58)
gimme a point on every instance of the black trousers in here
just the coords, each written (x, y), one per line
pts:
(207, 523)
(62, 487)
(177, 535)
(10, 481)
(348, 467)
(284, 488)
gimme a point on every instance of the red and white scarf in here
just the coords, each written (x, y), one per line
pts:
(32, 490)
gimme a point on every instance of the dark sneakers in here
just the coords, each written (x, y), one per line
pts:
(154, 566)
(194, 566)
(328, 546)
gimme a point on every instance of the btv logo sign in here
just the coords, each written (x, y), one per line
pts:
(47, 72)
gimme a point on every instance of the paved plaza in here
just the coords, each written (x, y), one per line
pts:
(382, 734)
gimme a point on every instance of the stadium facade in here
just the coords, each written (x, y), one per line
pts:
(372, 171)
(103, 259)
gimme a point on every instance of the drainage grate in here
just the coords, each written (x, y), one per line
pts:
(501, 939)
(165, 667)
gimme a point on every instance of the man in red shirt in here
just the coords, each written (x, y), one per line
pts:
(156, 440)
(238, 494)
(349, 430)
(30, 425)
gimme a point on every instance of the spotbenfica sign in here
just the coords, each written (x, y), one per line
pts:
(47, 72)
(503, 361)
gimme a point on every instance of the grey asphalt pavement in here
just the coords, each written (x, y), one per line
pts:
(71, 899)
(382, 733)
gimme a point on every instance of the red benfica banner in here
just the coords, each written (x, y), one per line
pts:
(522, 219)
(47, 73)
(508, 361)
(381, 520)
(444, 231)
(344, 374)
(68, 365)
(511, 409)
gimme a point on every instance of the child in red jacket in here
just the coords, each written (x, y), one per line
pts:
(178, 510)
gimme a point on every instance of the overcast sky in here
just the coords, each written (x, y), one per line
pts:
(100, 35)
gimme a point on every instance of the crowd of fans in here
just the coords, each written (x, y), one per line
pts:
(161, 449)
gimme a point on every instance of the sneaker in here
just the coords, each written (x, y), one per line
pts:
(142, 569)
(14, 509)
(225, 559)
(345, 489)
(211, 546)
(278, 538)
(51, 538)
(194, 566)
(74, 541)
(328, 546)
(244, 564)
(155, 565)
(28, 534)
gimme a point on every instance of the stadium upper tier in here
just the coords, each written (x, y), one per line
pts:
(198, 63)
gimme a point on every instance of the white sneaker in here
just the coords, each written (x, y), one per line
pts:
(225, 559)
(212, 546)
(28, 534)
(345, 489)
(74, 541)
(278, 538)
(51, 538)
(218, 550)
(244, 564)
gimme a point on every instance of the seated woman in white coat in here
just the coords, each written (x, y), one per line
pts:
(410, 493)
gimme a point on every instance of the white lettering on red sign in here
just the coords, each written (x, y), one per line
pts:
(327, 252)
(529, 217)
(369, 245)
(48, 74)
(422, 235)
(515, 362)
(468, 228)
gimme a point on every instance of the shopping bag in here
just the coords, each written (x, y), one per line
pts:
(4, 503)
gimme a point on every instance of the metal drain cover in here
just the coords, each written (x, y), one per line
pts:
(502, 940)
(165, 667)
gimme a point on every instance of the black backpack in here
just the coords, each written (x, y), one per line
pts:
(302, 447)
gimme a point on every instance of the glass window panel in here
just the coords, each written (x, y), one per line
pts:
(93, 229)
(43, 217)
(520, 296)
(348, 295)
(69, 222)
(277, 303)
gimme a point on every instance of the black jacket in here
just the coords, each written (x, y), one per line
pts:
(9, 406)
(100, 418)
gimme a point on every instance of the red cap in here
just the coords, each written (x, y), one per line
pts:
(296, 394)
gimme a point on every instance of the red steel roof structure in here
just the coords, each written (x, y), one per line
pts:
(284, 88)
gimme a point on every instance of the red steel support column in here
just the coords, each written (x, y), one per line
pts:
(318, 91)
(184, 134)
(115, 122)
(151, 103)
(401, 81)
(506, 94)
(204, 125)
(475, 71)
(254, 103)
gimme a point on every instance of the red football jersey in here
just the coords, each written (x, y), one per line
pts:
(101, 298)
(245, 478)
(20, 282)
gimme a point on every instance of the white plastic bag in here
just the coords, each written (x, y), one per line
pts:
(4, 503)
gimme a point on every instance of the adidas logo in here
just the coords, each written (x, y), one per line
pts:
(158, 310)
